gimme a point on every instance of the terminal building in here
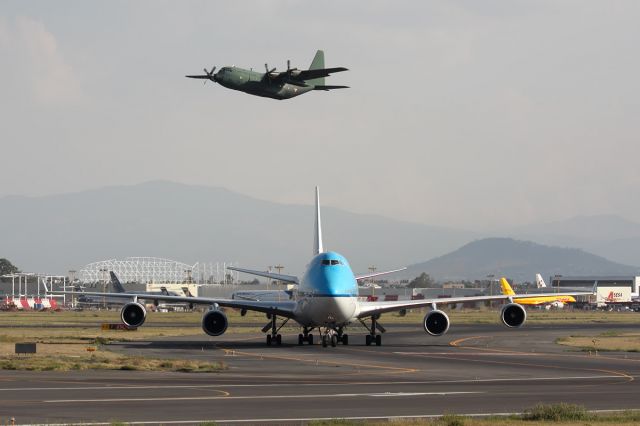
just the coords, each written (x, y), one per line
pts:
(609, 289)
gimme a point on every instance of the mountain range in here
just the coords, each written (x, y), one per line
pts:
(192, 223)
(515, 259)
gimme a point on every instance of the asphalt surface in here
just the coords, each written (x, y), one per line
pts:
(479, 369)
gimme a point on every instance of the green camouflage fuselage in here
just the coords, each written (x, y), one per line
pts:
(259, 84)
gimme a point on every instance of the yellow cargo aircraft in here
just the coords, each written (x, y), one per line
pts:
(555, 301)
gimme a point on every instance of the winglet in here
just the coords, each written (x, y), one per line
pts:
(317, 243)
(506, 288)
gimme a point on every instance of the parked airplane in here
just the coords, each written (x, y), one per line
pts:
(326, 299)
(540, 282)
(555, 300)
(271, 84)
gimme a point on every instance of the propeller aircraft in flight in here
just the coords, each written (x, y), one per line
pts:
(325, 299)
(274, 84)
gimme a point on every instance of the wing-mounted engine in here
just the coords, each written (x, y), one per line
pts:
(513, 315)
(214, 323)
(133, 314)
(436, 323)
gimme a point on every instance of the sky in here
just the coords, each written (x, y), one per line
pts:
(467, 114)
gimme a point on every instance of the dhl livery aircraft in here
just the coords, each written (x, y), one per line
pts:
(557, 301)
(325, 299)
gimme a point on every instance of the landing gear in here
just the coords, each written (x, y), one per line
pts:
(300, 339)
(325, 340)
(334, 340)
(310, 339)
(274, 337)
(373, 337)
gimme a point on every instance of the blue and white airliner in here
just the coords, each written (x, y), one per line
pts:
(325, 300)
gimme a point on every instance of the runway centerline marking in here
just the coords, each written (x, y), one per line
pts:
(295, 396)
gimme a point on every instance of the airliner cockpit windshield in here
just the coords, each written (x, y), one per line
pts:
(331, 262)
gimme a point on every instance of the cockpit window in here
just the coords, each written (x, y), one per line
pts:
(331, 262)
(326, 262)
(335, 262)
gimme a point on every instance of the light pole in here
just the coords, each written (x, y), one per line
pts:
(490, 276)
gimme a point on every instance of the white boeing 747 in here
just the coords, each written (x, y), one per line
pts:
(325, 299)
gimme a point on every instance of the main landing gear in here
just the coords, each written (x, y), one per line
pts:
(373, 337)
(274, 336)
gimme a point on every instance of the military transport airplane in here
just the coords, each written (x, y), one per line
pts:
(273, 84)
(325, 299)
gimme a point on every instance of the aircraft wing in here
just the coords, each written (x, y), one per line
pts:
(322, 72)
(280, 277)
(373, 308)
(282, 308)
(375, 274)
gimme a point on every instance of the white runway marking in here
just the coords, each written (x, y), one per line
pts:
(268, 385)
(313, 419)
(298, 396)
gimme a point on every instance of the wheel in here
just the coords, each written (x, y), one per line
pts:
(300, 339)
(368, 340)
(268, 340)
(334, 340)
(325, 341)
(310, 338)
(278, 339)
(378, 339)
(345, 339)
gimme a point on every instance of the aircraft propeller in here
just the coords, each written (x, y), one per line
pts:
(269, 71)
(210, 74)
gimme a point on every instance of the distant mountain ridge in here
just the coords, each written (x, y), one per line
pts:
(610, 236)
(193, 223)
(519, 260)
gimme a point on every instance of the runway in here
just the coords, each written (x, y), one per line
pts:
(479, 369)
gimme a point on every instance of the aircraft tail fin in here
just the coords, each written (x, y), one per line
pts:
(317, 243)
(117, 286)
(317, 64)
(506, 288)
(540, 282)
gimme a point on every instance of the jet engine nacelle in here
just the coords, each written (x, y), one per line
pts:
(133, 314)
(214, 323)
(436, 323)
(513, 315)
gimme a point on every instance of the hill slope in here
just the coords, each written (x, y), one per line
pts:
(519, 260)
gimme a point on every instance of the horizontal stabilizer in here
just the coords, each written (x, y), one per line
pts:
(375, 274)
(204, 77)
(329, 87)
(279, 277)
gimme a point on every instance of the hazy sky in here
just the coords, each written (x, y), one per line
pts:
(470, 114)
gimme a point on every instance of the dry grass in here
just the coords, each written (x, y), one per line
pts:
(556, 414)
(609, 341)
(76, 357)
